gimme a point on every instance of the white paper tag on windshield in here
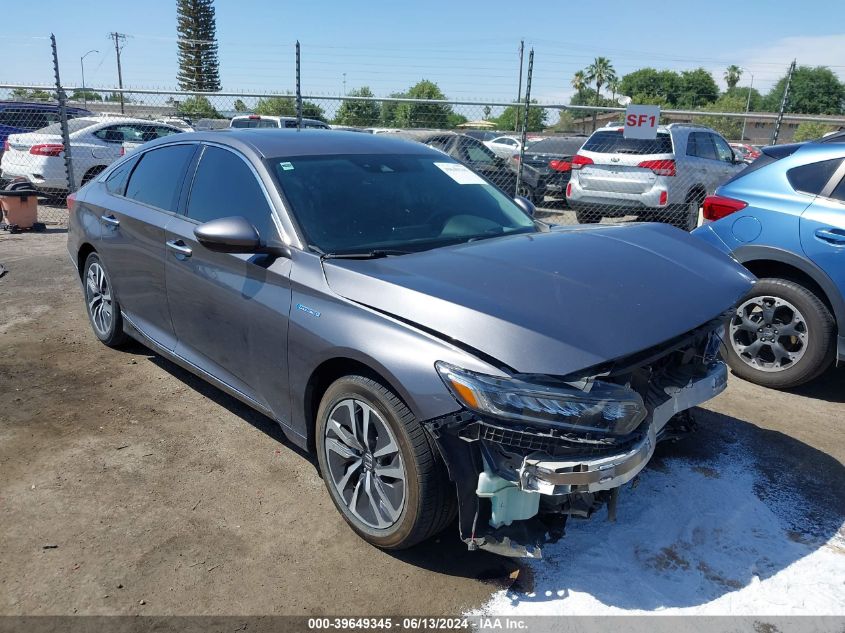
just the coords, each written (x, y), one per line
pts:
(461, 174)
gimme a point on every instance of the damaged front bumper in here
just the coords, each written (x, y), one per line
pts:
(517, 485)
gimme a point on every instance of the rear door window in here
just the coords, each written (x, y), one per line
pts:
(813, 177)
(116, 182)
(701, 145)
(157, 180)
(225, 186)
(614, 142)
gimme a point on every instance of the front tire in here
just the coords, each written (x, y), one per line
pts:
(102, 307)
(380, 467)
(781, 336)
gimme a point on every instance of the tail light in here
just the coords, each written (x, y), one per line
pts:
(659, 167)
(71, 201)
(515, 158)
(718, 207)
(579, 161)
(47, 149)
(569, 190)
(6, 145)
(254, 116)
(664, 198)
(560, 165)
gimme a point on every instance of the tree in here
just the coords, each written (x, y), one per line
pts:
(32, 95)
(732, 76)
(85, 95)
(648, 85)
(423, 115)
(566, 122)
(199, 68)
(600, 71)
(742, 92)
(536, 118)
(698, 88)
(114, 97)
(276, 106)
(454, 120)
(197, 107)
(729, 127)
(579, 82)
(487, 111)
(240, 106)
(809, 130)
(360, 113)
(613, 86)
(812, 91)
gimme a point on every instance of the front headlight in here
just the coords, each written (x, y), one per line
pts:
(605, 408)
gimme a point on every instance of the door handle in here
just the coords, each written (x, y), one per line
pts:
(110, 220)
(178, 246)
(835, 236)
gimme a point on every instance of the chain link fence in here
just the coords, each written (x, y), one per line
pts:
(573, 162)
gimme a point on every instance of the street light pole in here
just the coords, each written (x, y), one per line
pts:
(747, 106)
(82, 67)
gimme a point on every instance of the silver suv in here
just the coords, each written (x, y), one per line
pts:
(664, 179)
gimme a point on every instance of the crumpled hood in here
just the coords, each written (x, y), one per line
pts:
(557, 302)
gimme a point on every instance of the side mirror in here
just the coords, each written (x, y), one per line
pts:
(526, 205)
(235, 235)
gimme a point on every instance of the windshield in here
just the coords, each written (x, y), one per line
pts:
(359, 202)
(614, 142)
(73, 125)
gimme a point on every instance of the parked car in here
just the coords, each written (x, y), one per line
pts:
(260, 121)
(469, 151)
(482, 135)
(783, 218)
(665, 179)
(176, 121)
(408, 322)
(204, 125)
(18, 117)
(747, 152)
(95, 142)
(504, 146)
(138, 135)
(547, 167)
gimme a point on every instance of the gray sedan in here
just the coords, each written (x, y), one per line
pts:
(441, 351)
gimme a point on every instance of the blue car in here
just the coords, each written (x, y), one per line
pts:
(783, 218)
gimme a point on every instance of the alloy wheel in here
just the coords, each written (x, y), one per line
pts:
(365, 464)
(769, 333)
(99, 299)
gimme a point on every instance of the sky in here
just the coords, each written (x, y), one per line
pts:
(470, 49)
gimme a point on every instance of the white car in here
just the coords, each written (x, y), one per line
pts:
(504, 146)
(262, 120)
(96, 142)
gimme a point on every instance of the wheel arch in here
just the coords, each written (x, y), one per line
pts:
(330, 370)
(766, 261)
(84, 251)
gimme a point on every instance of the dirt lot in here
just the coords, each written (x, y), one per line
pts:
(129, 486)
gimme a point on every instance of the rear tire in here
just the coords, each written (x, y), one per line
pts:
(363, 486)
(810, 351)
(685, 216)
(100, 304)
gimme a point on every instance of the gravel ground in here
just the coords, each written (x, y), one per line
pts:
(129, 486)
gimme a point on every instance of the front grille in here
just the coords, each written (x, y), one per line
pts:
(554, 446)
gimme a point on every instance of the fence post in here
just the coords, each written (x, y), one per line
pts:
(783, 102)
(524, 132)
(62, 98)
(298, 91)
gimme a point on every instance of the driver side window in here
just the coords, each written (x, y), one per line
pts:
(723, 150)
(225, 186)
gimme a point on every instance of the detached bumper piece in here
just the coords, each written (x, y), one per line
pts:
(518, 484)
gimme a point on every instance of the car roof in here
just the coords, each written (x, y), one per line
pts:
(36, 105)
(278, 142)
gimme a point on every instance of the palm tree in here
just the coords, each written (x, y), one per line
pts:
(732, 75)
(579, 81)
(613, 85)
(600, 71)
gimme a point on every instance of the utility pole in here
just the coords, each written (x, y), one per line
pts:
(344, 84)
(519, 89)
(783, 102)
(298, 90)
(118, 39)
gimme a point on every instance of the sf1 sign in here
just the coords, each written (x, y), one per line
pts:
(641, 121)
